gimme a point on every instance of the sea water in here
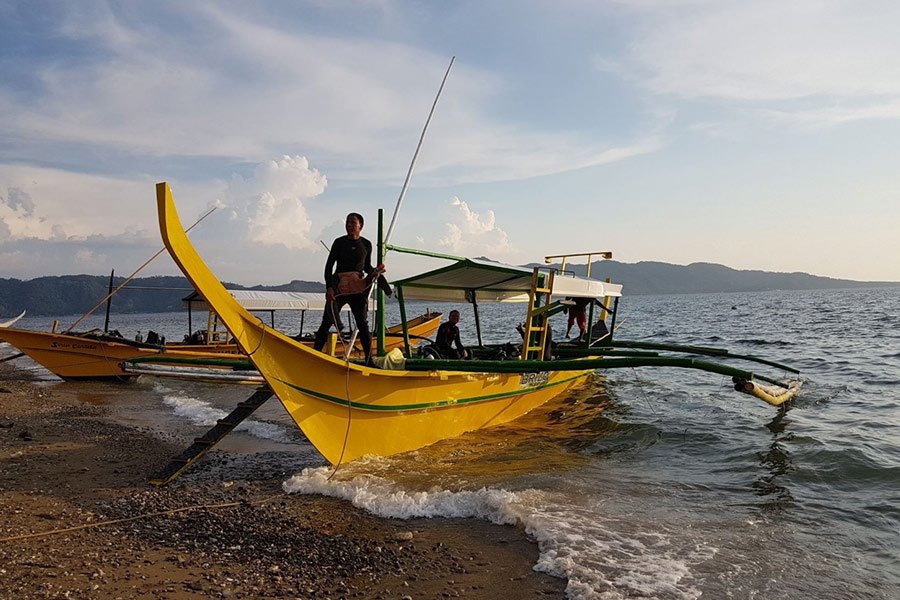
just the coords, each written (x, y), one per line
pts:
(650, 483)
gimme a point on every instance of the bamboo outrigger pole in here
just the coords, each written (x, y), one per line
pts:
(133, 275)
(382, 243)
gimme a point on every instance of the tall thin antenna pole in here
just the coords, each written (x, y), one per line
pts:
(133, 275)
(412, 165)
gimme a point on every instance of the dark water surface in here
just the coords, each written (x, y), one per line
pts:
(656, 483)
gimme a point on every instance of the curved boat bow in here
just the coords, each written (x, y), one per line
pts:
(348, 410)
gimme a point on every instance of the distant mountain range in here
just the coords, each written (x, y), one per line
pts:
(76, 294)
(648, 277)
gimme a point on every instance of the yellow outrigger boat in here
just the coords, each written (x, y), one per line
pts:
(74, 356)
(98, 355)
(11, 322)
(348, 410)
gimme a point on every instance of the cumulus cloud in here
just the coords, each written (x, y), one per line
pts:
(19, 201)
(18, 218)
(470, 233)
(271, 203)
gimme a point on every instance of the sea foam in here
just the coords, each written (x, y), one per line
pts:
(601, 557)
(203, 413)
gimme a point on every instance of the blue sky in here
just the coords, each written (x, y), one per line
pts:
(759, 135)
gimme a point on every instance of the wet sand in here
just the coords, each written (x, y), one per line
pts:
(65, 464)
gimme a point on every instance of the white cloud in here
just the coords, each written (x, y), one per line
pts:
(472, 234)
(19, 201)
(841, 57)
(60, 203)
(244, 89)
(88, 258)
(271, 204)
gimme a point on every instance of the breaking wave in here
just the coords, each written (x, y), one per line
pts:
(203, 413)
(601, 557)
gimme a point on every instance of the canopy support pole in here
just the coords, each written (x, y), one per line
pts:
(477, 317)
(612, 324)
(379, 302)
(406, 348)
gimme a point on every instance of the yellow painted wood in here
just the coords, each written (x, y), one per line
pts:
(536, 320)
(78, 357)
(347, 410)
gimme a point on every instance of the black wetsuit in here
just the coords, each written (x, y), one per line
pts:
(447, 335)
(349, 255)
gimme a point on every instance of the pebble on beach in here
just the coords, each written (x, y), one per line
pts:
(68, 464)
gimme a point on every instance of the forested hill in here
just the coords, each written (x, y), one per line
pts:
(76, 294)
(664, 278)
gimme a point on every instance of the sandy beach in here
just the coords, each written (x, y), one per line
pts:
(79, 480)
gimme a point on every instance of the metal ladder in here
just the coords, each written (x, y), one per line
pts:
(215, 330)
(536, 323)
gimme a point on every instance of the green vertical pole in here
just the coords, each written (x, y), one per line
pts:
(477, 318)
(379, 310)
(612, 325)
(406, 348)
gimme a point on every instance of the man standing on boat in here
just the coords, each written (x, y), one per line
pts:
(348, 275)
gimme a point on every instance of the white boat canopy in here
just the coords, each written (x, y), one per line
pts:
(469, 280)
(260, 300)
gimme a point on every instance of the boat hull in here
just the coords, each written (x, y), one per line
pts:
(77, 357)
(348, 410)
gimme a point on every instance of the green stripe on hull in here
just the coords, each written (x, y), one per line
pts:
(426, 405)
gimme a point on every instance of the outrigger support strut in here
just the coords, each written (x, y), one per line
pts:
(743, 380)
(203, 444)
(703, 350)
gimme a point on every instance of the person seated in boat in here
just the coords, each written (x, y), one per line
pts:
(448, 336)
(348, 275)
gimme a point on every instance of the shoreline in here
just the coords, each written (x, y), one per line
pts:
(65, 463)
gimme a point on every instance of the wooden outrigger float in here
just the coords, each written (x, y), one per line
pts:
(348, 410)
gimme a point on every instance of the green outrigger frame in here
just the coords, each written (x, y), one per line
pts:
(473, 281)
(469, 280)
